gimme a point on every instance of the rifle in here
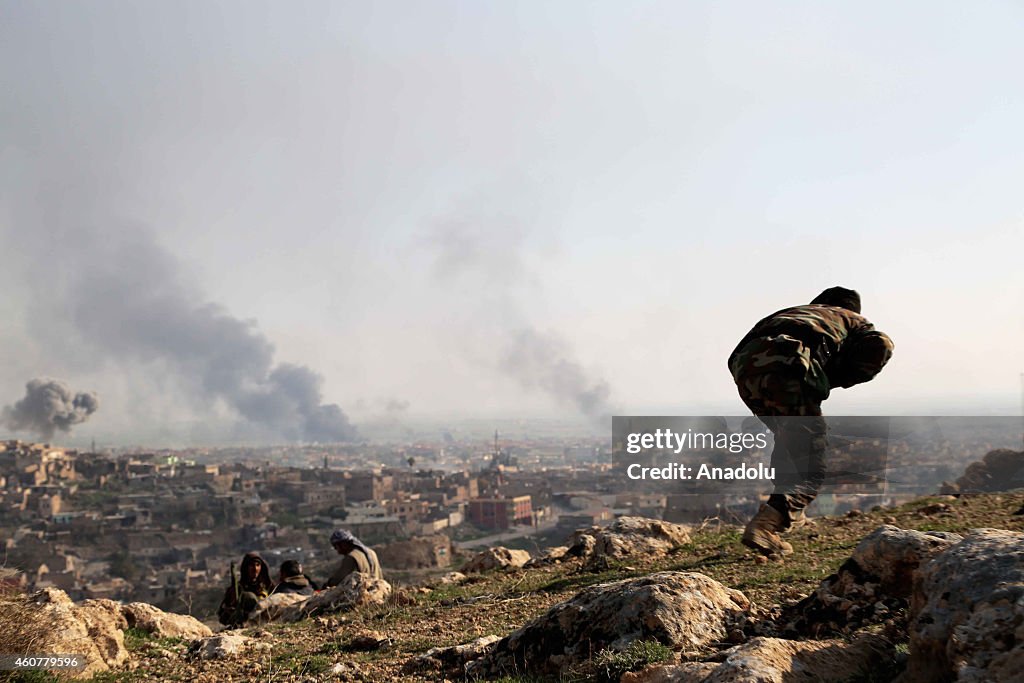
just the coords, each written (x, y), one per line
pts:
(234, 583)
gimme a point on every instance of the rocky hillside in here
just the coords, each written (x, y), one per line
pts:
(932, 590)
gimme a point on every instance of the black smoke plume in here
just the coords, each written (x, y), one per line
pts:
(48, 407)
(125, 298)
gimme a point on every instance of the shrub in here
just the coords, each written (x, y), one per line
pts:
(608, 666)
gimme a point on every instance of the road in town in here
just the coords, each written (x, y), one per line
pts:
(517, 532)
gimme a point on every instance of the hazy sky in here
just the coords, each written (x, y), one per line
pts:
(503, 208)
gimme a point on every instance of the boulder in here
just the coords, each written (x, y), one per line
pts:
(686, 611)
(272, 607)
(93, 629)
(1000, 470)
(582, 542)
(450, 661)
(498, 557)
(688, 672)
(966, 617)
(890, 555)
(366, 641)
(451, 578)
(628, 537)
(872, 585)
(773, 660)
(51, 596)
(550, 556)
(155, 621)
(404, 596)
(357, 590)
(347, 671)
(934, 509)
(105, 626)
(223, 646)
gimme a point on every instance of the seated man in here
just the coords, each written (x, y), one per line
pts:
(292, 580)
(243, 595)
(358, 558)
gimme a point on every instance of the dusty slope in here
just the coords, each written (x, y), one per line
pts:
(498, 603)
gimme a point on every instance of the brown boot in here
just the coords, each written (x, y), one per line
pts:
(762, 533)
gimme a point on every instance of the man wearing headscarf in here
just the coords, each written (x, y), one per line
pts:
(784, 368)
(242, 598)
(357, 558)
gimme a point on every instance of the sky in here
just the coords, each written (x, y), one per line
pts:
(213, 214)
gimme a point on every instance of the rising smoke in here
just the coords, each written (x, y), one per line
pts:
(544, 361)
(495, 266)
(124, 297)
(48, 406)
(395, 406)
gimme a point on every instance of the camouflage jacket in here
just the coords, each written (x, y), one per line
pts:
(806, 342)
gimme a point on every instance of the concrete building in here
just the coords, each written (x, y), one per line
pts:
(501, 513)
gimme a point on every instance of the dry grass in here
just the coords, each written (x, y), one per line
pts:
(22, 630)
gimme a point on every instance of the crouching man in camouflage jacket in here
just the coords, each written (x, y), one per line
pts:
(784, 368)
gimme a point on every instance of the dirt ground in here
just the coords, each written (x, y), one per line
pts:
(418, 619)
